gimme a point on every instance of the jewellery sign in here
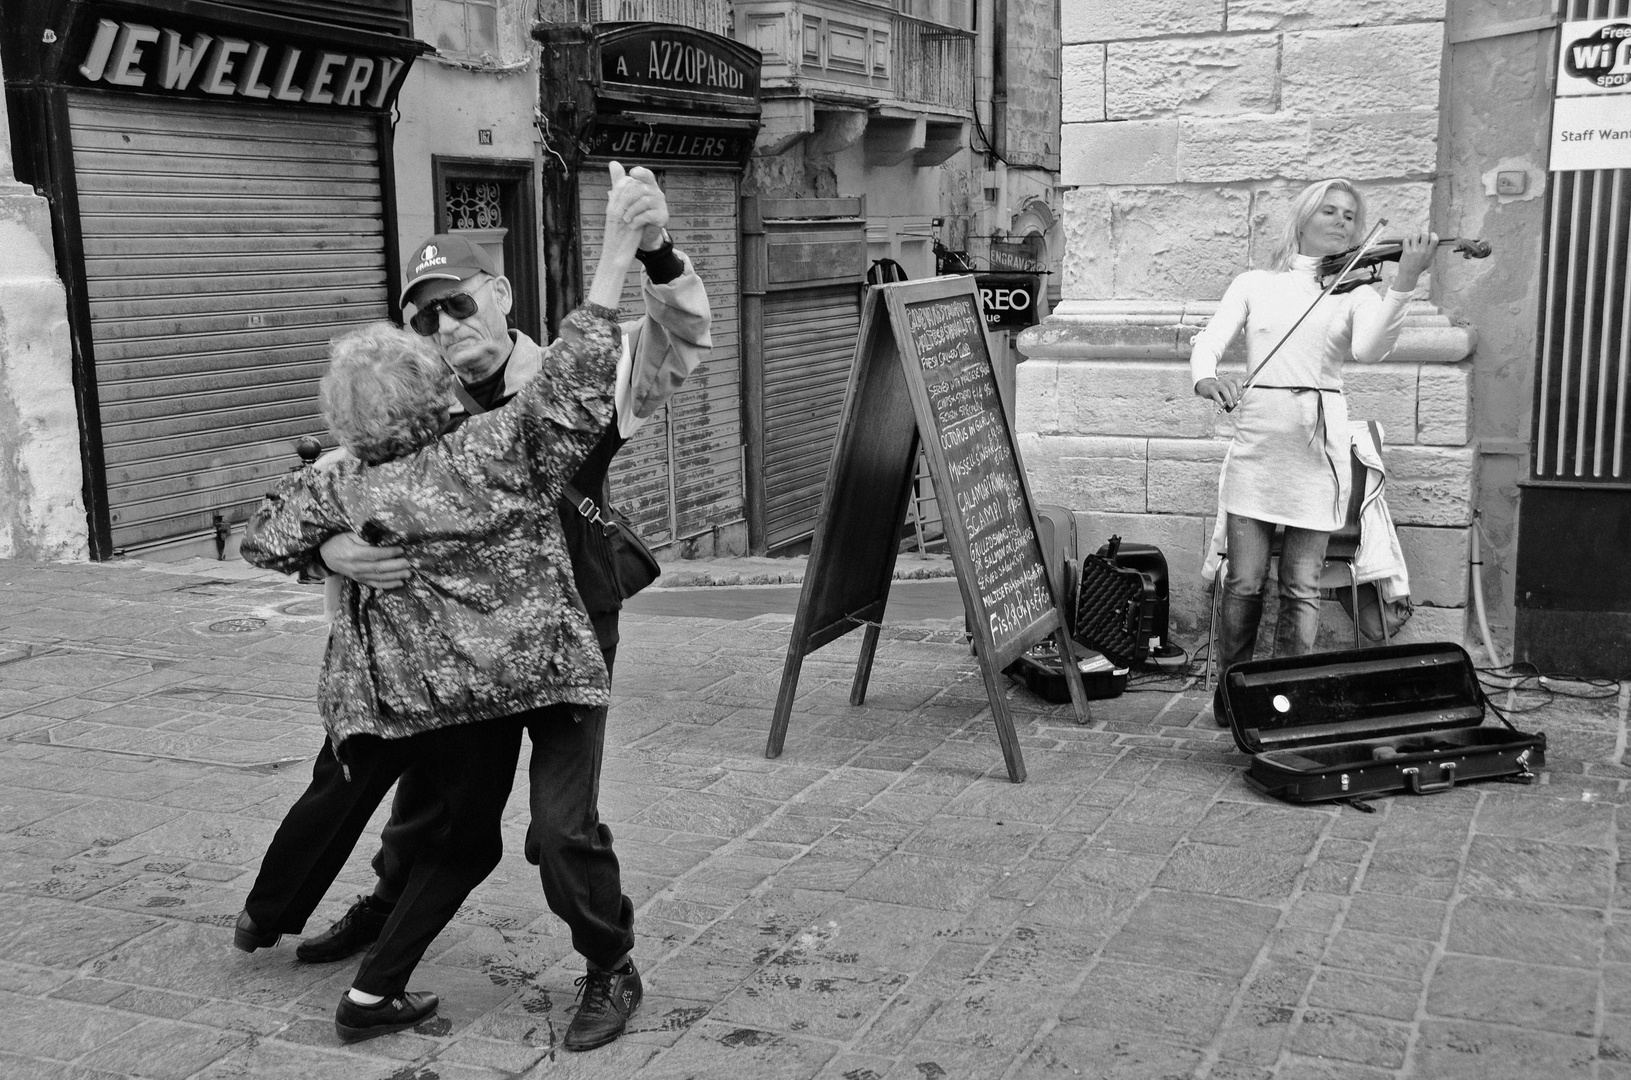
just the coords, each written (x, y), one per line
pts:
(1591, 113)
(213, 62)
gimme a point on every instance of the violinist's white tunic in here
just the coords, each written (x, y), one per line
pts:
(1288, 462)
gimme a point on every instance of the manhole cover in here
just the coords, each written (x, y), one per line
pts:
(237, 626)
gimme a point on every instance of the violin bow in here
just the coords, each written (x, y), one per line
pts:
(1251, 377)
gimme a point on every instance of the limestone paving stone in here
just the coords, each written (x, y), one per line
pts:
(1374, 954)
(1351, 1037)
(1528, 995)
(943, 884)
(712, 1048)
(1530, 870)
(1237, 872)
(929, 1057)
(1475, 1051)
(1181, 930)
(1536, 933)
(164, 1050)
(1115, 1055)
(1372, 995)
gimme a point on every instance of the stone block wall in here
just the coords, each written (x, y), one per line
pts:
(42, 512)
(1188, 129)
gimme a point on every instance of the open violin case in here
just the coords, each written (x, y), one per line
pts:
(1363, 723)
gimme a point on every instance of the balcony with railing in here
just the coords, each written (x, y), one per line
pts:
(714, 16)
(934, 64)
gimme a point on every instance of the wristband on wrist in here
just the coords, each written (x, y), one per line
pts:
(661, 264)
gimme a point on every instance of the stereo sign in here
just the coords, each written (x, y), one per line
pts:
(1009, 300)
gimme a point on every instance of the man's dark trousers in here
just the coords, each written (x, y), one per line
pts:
(464, 771)
(566, 839)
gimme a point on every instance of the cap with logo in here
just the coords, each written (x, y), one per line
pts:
(447, 257)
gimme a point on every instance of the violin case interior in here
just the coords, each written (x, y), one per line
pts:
(1369, 722)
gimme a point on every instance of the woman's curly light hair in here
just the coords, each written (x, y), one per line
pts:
(386, 393)
(1303, 208)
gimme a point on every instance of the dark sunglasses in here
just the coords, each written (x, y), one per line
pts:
(428, 319)
(459, 305)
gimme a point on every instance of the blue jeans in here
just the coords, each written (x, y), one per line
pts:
(1302, 555)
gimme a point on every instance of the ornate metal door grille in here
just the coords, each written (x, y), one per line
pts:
(473, 204)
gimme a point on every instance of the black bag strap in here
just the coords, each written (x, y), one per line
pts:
(471, 405)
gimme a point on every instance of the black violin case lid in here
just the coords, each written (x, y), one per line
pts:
(1368, 722)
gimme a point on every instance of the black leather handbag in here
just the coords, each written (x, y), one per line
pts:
(633, 564)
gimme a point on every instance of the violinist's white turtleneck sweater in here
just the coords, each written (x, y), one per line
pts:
(1276, 469)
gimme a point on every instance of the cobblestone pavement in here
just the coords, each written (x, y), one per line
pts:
(879, 902)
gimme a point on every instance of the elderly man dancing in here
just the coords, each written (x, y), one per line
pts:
(435, 680)
(459, 303)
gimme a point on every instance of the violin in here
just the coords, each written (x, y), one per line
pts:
(1368, 270)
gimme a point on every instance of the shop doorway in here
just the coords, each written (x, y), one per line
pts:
(493, 200)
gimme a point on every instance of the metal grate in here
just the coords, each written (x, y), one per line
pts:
(473, 204)
(1582, 397)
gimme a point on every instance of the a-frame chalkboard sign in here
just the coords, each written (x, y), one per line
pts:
(922, 364)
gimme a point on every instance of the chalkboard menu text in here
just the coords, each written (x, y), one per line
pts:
(923, 371)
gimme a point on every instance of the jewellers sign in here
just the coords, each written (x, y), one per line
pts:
(662, 144)
(134, 55)
(668, 60)
(1591, 112)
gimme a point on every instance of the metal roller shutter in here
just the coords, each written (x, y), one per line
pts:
(682, 472)
(223, 248)
(809, 345)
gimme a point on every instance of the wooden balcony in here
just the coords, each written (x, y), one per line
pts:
(934, 64)
(714, 16)
(862, 48)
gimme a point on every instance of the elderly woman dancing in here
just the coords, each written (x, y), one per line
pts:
(441, 675)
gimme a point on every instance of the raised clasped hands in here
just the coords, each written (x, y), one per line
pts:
(636, 211)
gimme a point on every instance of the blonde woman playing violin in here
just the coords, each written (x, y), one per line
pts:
(1288, 464)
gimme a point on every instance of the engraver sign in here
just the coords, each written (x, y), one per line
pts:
(1591, 113)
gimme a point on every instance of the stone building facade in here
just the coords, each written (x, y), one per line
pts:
(1188, 128)
(42, 515)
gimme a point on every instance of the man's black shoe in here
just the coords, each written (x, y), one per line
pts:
(1218, 713)
(249, 937)
(607, 1000)
(353, 1022)
(357, 929)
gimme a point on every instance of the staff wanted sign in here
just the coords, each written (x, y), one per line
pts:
(1591, 113)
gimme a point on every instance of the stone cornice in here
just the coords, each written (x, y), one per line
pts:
(1164, 329)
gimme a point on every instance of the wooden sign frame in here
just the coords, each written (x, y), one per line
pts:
(869, 483)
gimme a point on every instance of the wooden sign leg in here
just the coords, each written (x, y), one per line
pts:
(784, 698)
(1073, 675)
(863, 666)
(1006, 735)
